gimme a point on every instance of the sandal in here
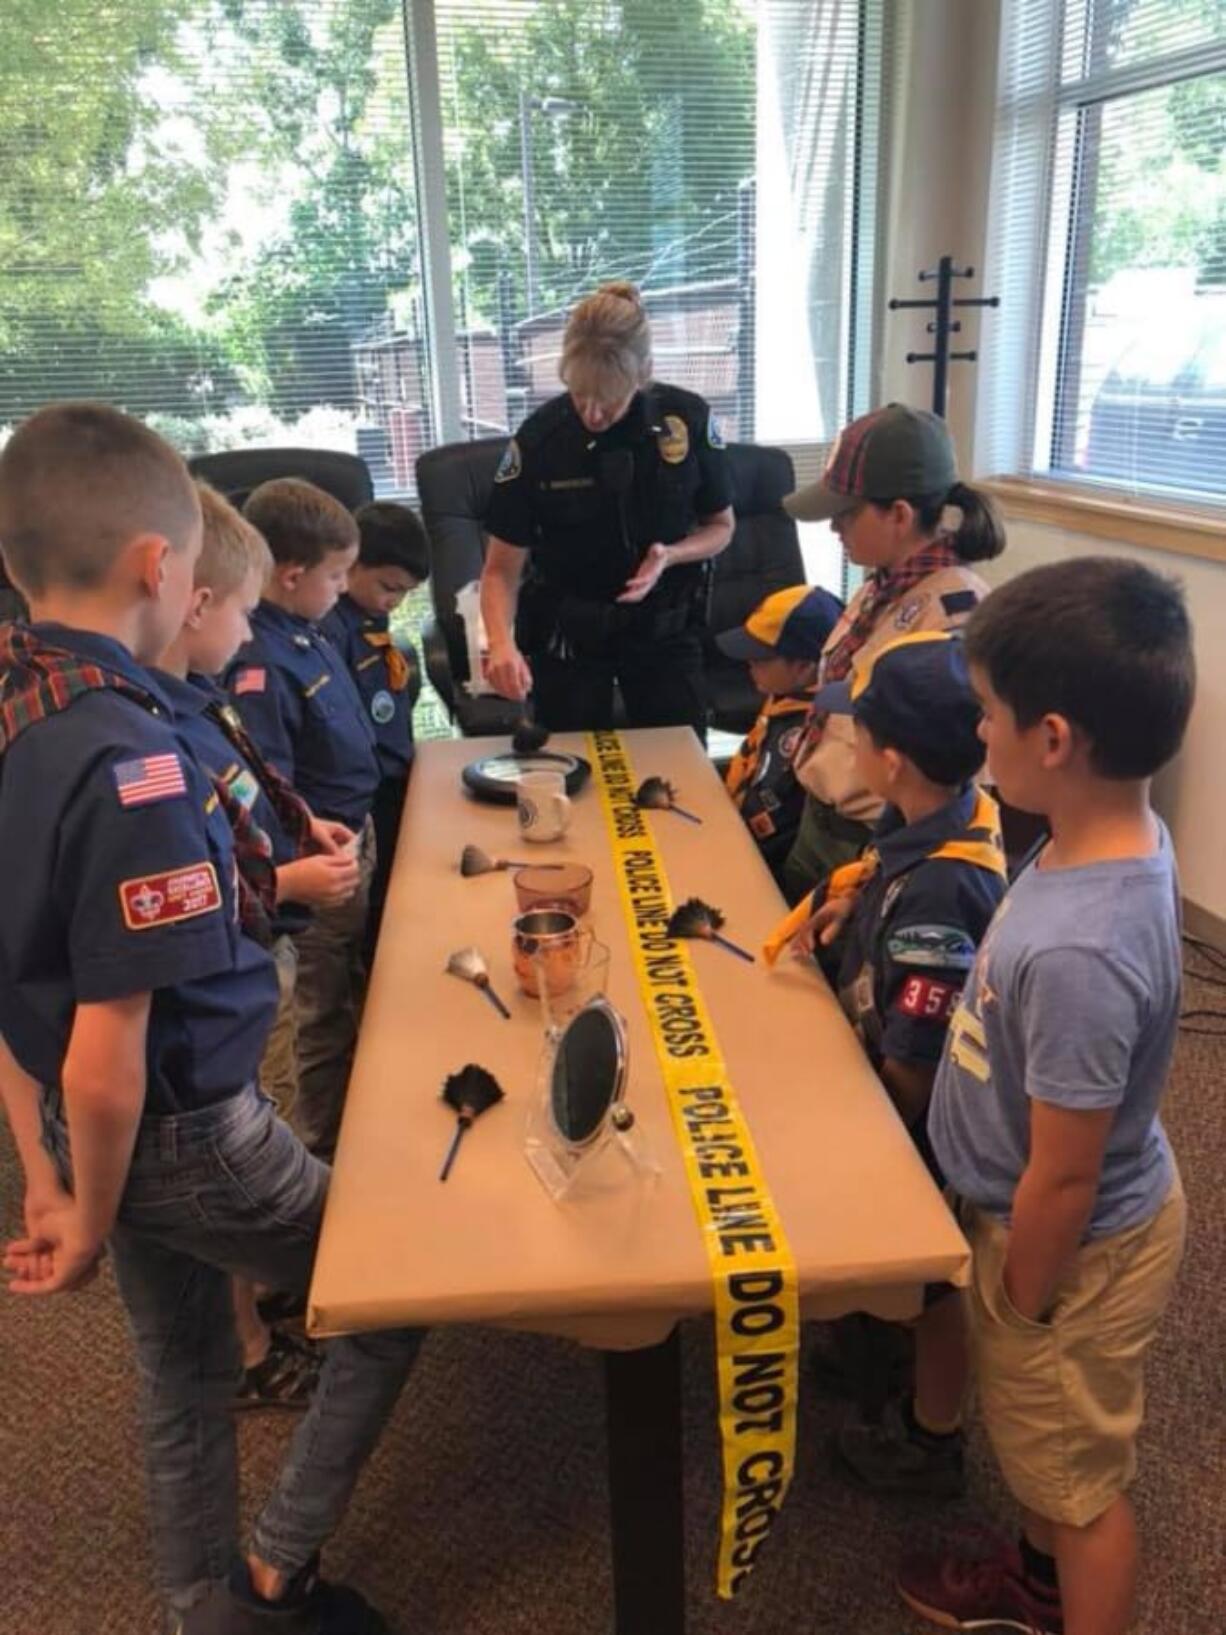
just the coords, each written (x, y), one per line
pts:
(286, 1378)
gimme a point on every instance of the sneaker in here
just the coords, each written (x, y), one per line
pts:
(310, 1606)
(958, 1591)
(286, 1379)
(891, 1458)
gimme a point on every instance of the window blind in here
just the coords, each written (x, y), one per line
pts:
(1107, 239)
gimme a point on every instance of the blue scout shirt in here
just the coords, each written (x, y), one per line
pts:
(191, 701)
(1074, 1000)
(912, 936)
(347, 628)
(120, 879)
(301, 706)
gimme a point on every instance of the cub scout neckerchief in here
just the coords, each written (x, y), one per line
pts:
(397, 664)
(979, 844)
(881, 590)
(744, 764)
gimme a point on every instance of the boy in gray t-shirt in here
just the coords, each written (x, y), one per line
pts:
(1044, 1116)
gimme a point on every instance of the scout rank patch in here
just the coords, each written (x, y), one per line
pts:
(162, 899)
(715, 435)
(511, 464)
(674, 440)
(382, 707)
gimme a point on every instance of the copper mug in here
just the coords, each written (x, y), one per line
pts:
(547, 947)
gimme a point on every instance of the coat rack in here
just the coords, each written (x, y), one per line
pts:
(944, 325)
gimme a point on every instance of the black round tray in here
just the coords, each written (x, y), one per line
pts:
(494, 777)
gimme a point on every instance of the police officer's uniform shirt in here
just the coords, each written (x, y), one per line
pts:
(389, 709)
(912, 936)
(302, 707)
(556, 492)
(121, 879)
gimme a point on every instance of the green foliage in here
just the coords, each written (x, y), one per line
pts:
(645, 133)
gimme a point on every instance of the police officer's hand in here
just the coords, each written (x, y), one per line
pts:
(647, 575)
(823, 927)
(507, 671)
(57, 1259)
(323, 881)
(331, 837)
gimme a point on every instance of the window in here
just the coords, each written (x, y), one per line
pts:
(1108, 236)
(224, 214)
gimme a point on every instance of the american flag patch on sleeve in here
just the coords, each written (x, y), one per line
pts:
(152, 778)
(250, 681)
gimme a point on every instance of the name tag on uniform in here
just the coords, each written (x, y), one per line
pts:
(163, 899)
(571, 482)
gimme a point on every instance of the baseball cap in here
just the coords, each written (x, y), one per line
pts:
(790, 624)
(893, 453)
(915, 695)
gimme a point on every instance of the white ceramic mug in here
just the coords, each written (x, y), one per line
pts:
(543, 805)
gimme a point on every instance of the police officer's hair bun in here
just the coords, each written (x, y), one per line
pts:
(606, 349)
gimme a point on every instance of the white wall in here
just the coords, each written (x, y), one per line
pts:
(944, 114)
(1191, 793)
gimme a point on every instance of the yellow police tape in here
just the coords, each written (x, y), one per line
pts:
(757, 1318)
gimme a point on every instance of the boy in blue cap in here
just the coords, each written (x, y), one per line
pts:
(133, 1011)
(781, 641)
(393, 559)
(901, 927)
(1045, 1116)
(302, 707)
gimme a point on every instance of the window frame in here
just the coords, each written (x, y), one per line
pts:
(1061, 253)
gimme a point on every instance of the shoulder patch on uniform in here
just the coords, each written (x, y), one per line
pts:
(910, 611)
(163, 899)
(926, 1000)
(674, 441)
(960, 601)
(250, 681)
(941, 946)
(148, 779)
(715, 435)
(511, 465)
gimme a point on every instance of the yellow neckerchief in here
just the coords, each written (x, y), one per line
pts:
(744, 763)
(979, 844)
(397, 664)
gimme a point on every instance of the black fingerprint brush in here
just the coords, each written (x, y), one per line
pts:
(694, 918)
(471, 1092)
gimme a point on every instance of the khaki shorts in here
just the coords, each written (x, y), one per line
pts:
(1062, 1400)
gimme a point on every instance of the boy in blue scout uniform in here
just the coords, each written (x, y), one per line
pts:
(781, 641)
(288, 859)
(393, 559)
(132, 994)
(302, 707)
(901, 927)
(1046, 1111)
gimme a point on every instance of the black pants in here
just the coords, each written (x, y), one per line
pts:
(385, 815)
(661, 686)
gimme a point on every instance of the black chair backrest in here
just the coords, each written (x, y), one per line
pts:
(236, 472)
(764, 555)
(454, 484)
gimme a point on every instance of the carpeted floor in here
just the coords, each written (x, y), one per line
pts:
(483, 1512)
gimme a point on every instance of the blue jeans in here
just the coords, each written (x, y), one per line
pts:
(230, 1190)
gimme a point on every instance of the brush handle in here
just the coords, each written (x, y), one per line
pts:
(494, 999)
(681, 812)
(732, 947)
(516, 863)
(462, 1125)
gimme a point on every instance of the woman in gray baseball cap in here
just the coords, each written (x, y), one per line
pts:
(888, 482)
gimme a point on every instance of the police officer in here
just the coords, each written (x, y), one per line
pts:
(613, 497)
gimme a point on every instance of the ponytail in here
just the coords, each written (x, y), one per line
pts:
(981, 533)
